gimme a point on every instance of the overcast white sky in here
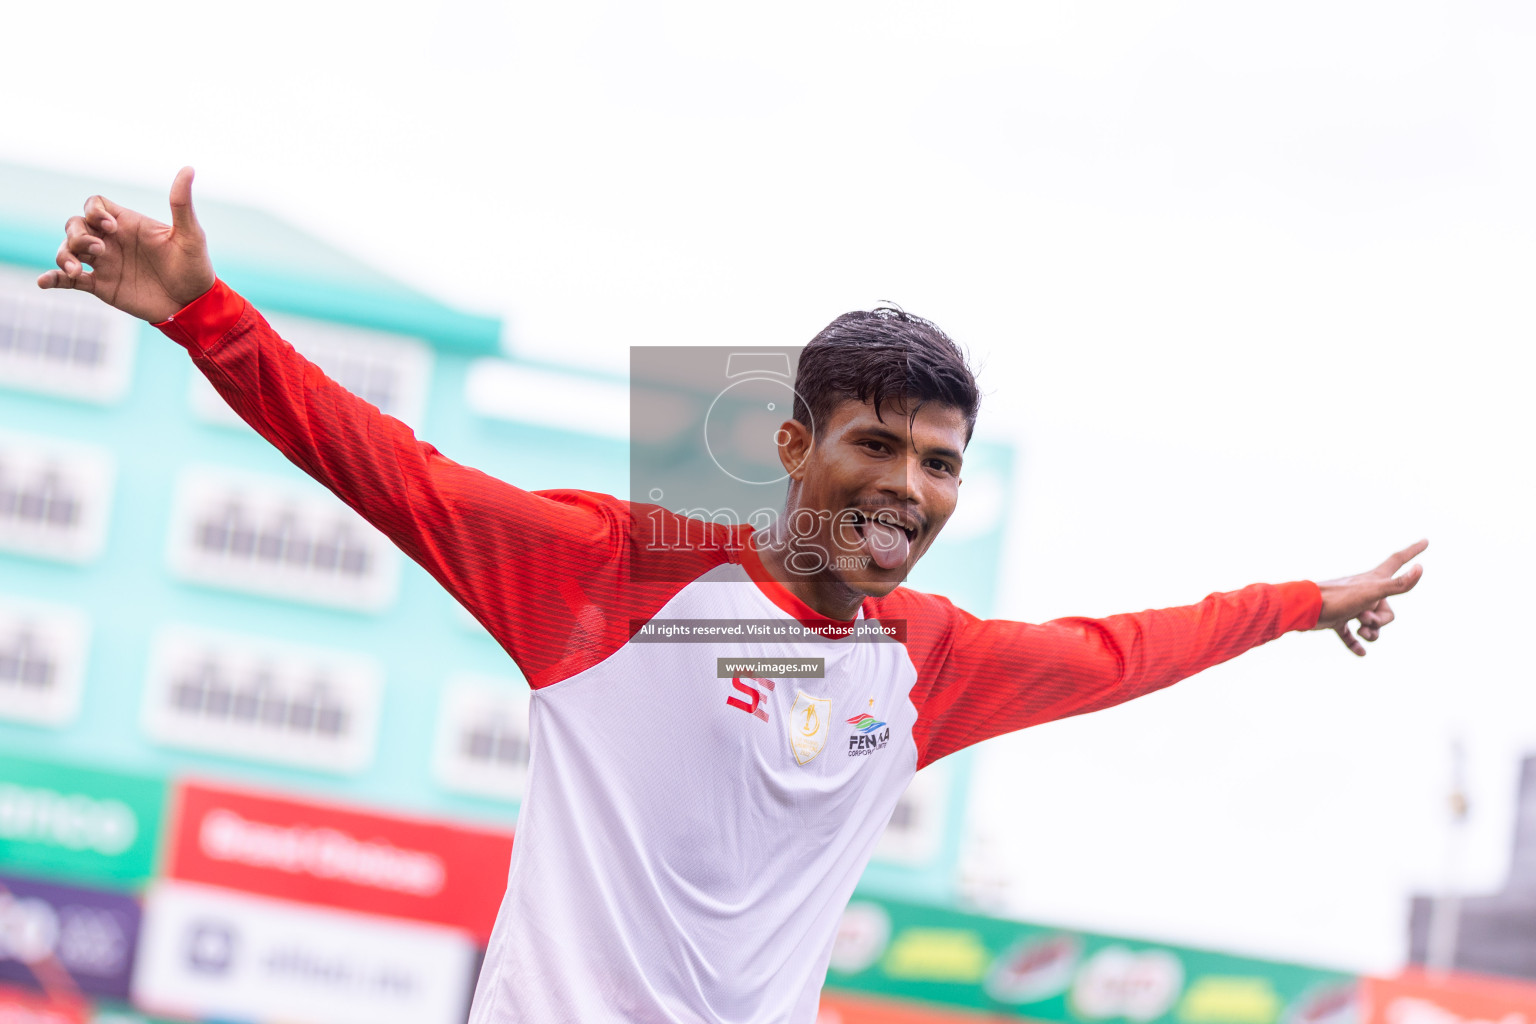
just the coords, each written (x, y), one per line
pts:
(1250, 284)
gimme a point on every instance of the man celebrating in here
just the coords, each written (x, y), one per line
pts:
(688, 842)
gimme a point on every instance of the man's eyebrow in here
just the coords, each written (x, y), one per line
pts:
(884, 434)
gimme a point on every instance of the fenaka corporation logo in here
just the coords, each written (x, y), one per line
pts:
(869, 735)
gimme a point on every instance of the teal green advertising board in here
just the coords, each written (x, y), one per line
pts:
(1049, 974)
(77, 824)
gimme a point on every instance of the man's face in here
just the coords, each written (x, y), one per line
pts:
(868, 496)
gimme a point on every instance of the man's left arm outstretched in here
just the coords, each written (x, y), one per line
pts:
(981, 678)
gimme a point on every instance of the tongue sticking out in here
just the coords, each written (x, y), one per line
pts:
(887, 545)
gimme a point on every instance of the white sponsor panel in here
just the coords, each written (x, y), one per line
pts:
(211, 953)
(483, 737)
(863, 933)
(54, 497)
(251, 697)
(63, 343)
(42, 662)
(915, 835)
(280, 538)
(390, 370)
(1119, 982)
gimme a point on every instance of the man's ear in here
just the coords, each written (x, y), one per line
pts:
(795, 443)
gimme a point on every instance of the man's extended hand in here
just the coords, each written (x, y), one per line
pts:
(141, 266)
(1364, 597)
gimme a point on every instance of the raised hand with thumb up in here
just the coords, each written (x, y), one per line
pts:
(138, 265)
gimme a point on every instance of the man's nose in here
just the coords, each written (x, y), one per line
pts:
(903, 481)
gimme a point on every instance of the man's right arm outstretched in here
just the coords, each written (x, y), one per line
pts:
(544, 572)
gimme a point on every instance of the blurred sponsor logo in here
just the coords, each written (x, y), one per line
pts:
(42, 662)
(320, 852)
(278, 538)
(73, 823)
(210, 946)
(1034, 969)
(1118, 982)
(58, 343)
(862, 935)
(243, 696)
(955, 955)
(55, 498)
(483, 742)
(1230, 999)
(211, 953)
(1338, 1003)
(88, 935)
(337, 857)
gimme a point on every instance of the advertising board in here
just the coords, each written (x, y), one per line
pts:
(1418, 997)
(78, 824)
(1013, 969)
(56, 937)
(214, 954)
(339, 857)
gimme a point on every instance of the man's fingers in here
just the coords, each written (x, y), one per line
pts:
(59, 279)
(1349, 640)
(1401, 558)
(183, 217)
(1374, 620)
(67, 261)
(81, 241)
(1407, 581)
(101, 214)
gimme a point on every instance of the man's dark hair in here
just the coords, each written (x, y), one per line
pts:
(886, 355)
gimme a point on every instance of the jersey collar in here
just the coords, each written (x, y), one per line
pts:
(781, 596)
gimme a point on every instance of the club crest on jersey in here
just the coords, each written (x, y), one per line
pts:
(809, 723)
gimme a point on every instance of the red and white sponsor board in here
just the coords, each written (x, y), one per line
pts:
(22, 1007)
(1419, 997)
(331, 856)
(210, 953)
(838, 1008)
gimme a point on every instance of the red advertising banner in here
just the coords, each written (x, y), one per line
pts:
(338, 857)
(18, 1007)
(840, 1008)
(1418, 997)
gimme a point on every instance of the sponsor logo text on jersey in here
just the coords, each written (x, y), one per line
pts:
(869, 735)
